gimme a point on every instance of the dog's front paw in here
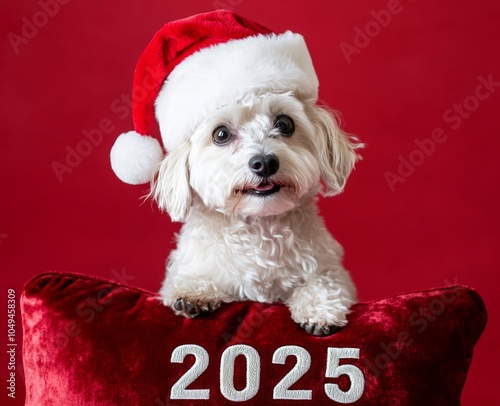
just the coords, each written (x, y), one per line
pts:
(320, 321)
(192, 308)
(319, 308)
(191, 296)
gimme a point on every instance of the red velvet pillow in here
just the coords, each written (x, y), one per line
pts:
(89, 341)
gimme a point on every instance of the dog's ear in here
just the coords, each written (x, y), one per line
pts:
(171, 188)
(336, 151)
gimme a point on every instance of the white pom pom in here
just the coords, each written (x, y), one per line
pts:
(134, 157)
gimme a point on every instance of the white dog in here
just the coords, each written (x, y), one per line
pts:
(245, 185)
(247, 151)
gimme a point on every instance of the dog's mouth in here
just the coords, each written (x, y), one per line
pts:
(262, 189)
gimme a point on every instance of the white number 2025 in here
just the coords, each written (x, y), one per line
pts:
(281, 390)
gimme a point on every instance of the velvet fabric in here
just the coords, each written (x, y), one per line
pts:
(89, 341)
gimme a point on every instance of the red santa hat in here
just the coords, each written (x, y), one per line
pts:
(196, 65)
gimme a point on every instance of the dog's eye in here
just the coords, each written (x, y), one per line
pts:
(221, 135)
(285, 125)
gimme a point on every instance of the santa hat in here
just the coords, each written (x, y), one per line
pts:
(196, 65)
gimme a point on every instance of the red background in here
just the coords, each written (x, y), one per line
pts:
(437, 226)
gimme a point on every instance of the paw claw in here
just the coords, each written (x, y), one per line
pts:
(209, 307)
(179, 304)
(192, 309)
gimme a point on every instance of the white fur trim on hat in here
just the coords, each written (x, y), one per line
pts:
(134, 157)
(223, 73)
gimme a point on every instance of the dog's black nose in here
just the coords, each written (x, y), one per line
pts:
(264, 165)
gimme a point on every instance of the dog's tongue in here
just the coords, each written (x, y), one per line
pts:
(263, 187)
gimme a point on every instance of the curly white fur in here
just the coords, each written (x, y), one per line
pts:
(235, 245)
